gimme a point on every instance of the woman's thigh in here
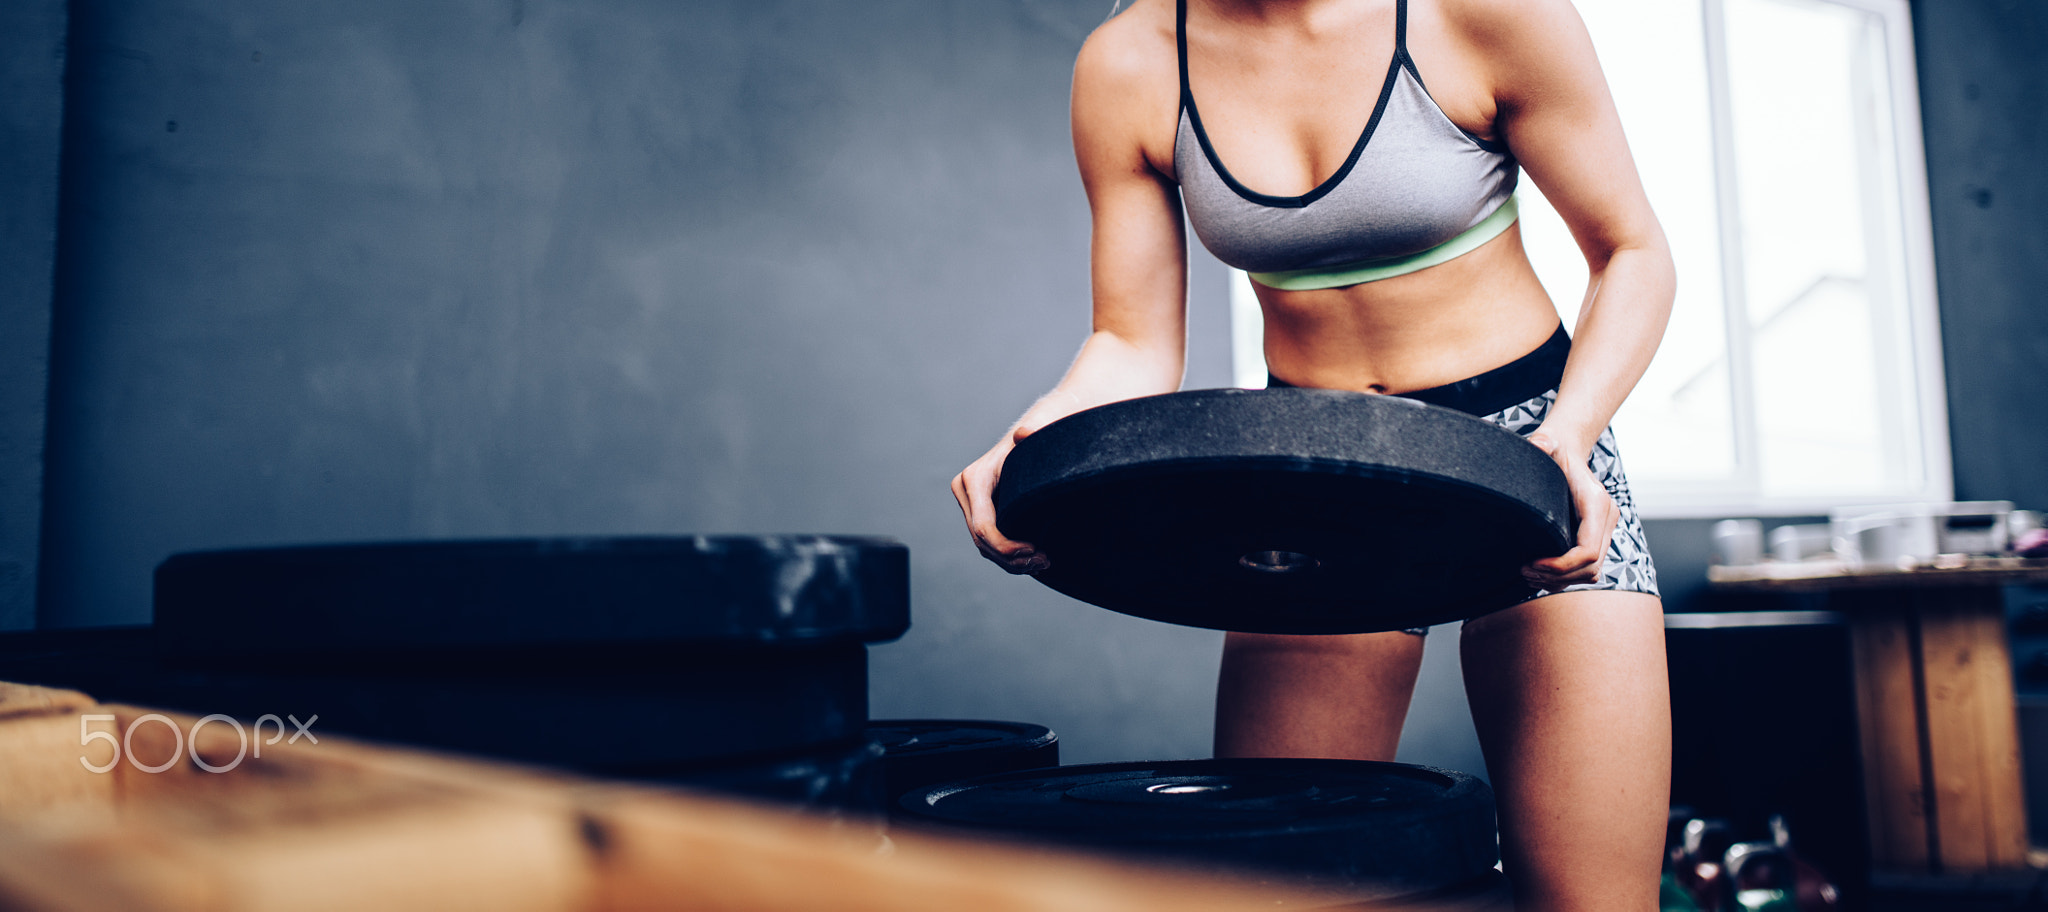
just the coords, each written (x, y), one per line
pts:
(1342, 697)
(1571, 701)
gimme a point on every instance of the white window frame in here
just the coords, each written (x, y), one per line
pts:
(1740, 494)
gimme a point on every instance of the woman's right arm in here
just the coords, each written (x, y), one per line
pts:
(1137, 256)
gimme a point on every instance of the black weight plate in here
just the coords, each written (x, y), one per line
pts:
(1285, 510)
(590, 709)
(403, 596)
(1368, 829)
(923, 751)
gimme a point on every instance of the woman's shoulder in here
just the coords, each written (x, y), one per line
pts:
(1134, 49)
(1505, 25)
(1491, 57)
(1127, 91)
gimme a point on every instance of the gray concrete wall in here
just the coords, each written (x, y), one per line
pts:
(413, 270)
(31, 121)
(1983, 82)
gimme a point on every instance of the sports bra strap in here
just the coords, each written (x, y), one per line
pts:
(1180, 38)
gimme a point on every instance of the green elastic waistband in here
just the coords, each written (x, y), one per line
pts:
(1389, 267)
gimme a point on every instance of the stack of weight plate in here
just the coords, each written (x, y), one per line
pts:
(923, 752)
(1357, 830)
(737, 663)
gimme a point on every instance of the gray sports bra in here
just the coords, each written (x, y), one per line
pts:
(1417, 190)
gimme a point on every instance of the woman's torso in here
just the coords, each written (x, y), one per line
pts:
(1284, 92)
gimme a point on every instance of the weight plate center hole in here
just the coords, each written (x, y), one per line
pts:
(1278, 561)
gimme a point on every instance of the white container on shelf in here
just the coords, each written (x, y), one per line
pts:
(1794, 543)
(1907, 534)
(1884, 535)
(1738, 542)
(1974, 527)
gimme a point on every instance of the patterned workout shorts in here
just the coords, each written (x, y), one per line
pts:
(1627, 565)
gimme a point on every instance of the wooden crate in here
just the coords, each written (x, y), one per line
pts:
(1940, 730)
(1938, 719)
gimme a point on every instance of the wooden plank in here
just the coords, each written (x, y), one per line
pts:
(17, 700)
(40, 770)
(672, 851)
(79, 868)
(1955, 737)
(1973, 731)
(330, 765)
(2004, 769)
(40, 748)
(424, 852)
(1831, 576)
(660, 848)
(296, 829)
(1894, 794)
(347, 825)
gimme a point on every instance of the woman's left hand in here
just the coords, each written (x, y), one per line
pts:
(1597, 516)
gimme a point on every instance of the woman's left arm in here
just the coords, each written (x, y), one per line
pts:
(1555, 112)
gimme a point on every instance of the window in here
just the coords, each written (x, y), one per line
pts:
(1779, 143)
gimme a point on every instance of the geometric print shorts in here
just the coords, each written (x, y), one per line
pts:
(1626, 566)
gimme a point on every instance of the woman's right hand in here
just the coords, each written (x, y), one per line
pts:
(975, 489)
